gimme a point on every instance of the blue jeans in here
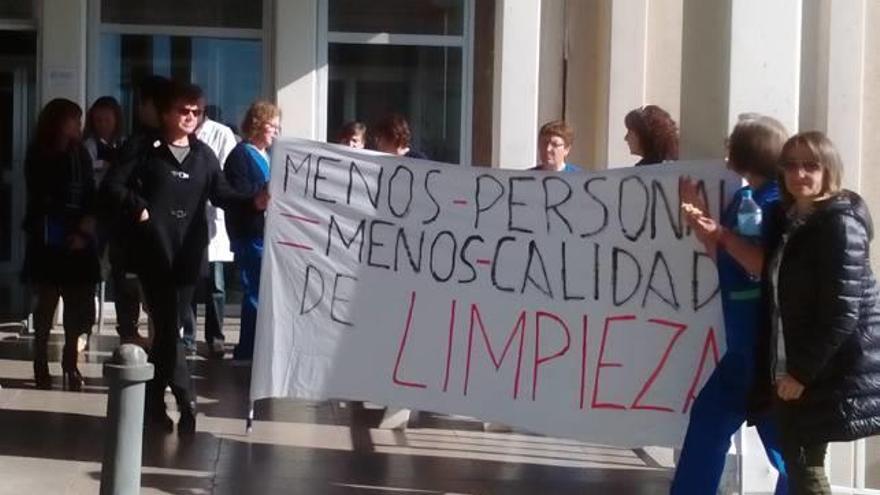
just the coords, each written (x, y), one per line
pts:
(718, 412)
(249, 257)
(212, 292)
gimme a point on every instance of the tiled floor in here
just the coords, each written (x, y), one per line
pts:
(51, 442)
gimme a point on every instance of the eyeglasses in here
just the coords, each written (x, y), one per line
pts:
(548, 143)
(808, 166)
(183, 112)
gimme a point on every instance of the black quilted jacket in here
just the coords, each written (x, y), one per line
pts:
(828, 301)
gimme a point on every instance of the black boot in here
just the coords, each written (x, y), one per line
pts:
(41, 359)
(72, 379)
(41, 374)
(187, 424)
(155, 416)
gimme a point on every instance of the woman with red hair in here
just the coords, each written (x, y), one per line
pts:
(652, 134)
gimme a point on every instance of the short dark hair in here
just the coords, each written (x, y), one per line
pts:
(350, 129)
(558, 128)
(395, 129)
(152, 88)
(179, 92)
(755, 144)
(104, 103)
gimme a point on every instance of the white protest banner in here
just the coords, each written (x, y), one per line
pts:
(574, 305)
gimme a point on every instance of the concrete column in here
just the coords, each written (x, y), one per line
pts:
(517, 63)
(63, 50)
(627, 73)
(765, 51)
(663, 56)
(588, 43)
(297, 69)
(737, 57)
(551, 81)
(834, 78)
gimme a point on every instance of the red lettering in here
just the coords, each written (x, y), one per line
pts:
(709, 343)
(584, 360)
(539, 360)
(449, 346)
(678, 331)
(401, 349)
(519, 327)
(602, 364)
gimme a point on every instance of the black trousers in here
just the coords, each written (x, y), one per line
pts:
(127, 300)
(78, 318)
(169, 305)
(804, 461)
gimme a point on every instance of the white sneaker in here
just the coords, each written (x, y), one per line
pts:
(395, 419)
(496, 428)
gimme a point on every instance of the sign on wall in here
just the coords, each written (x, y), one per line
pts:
(574, 305)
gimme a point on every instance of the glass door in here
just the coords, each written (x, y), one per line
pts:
(14, 122)
(17, 100)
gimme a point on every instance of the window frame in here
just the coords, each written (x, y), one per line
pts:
(96, 28)
(464, 41)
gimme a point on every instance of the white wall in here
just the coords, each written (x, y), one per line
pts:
(62, 57)
(296, 56)
(517, 63)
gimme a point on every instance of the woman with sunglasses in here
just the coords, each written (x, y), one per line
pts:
(163, 188)
(821, 360)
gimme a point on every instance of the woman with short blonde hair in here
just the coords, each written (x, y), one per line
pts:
(247, 171)
(723, 404)
(259, 115)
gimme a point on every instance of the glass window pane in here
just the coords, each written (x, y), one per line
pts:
(221, 13)
(366, 82)
(17, 9)
(438, 17)
(230, 71)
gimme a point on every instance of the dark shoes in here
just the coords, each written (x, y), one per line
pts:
(186, 426)
(73, 380)
(158, 420)
(41, 375)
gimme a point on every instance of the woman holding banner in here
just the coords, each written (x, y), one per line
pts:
(247, 171)
(651, 134)
(822, 354)
(721, 407)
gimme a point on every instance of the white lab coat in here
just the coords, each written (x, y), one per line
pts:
(220, 139)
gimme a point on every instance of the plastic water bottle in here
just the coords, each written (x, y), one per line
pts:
(748, 217)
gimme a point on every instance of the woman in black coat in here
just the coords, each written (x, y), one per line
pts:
(163, 187)
(61, 258)
(825, 368)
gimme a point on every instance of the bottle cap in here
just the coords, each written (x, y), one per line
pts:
(747, 194)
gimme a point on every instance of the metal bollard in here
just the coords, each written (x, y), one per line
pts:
(126, 374)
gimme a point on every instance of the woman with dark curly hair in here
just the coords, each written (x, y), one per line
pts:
(651, 134)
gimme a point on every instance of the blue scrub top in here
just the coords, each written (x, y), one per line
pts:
(740, 292)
